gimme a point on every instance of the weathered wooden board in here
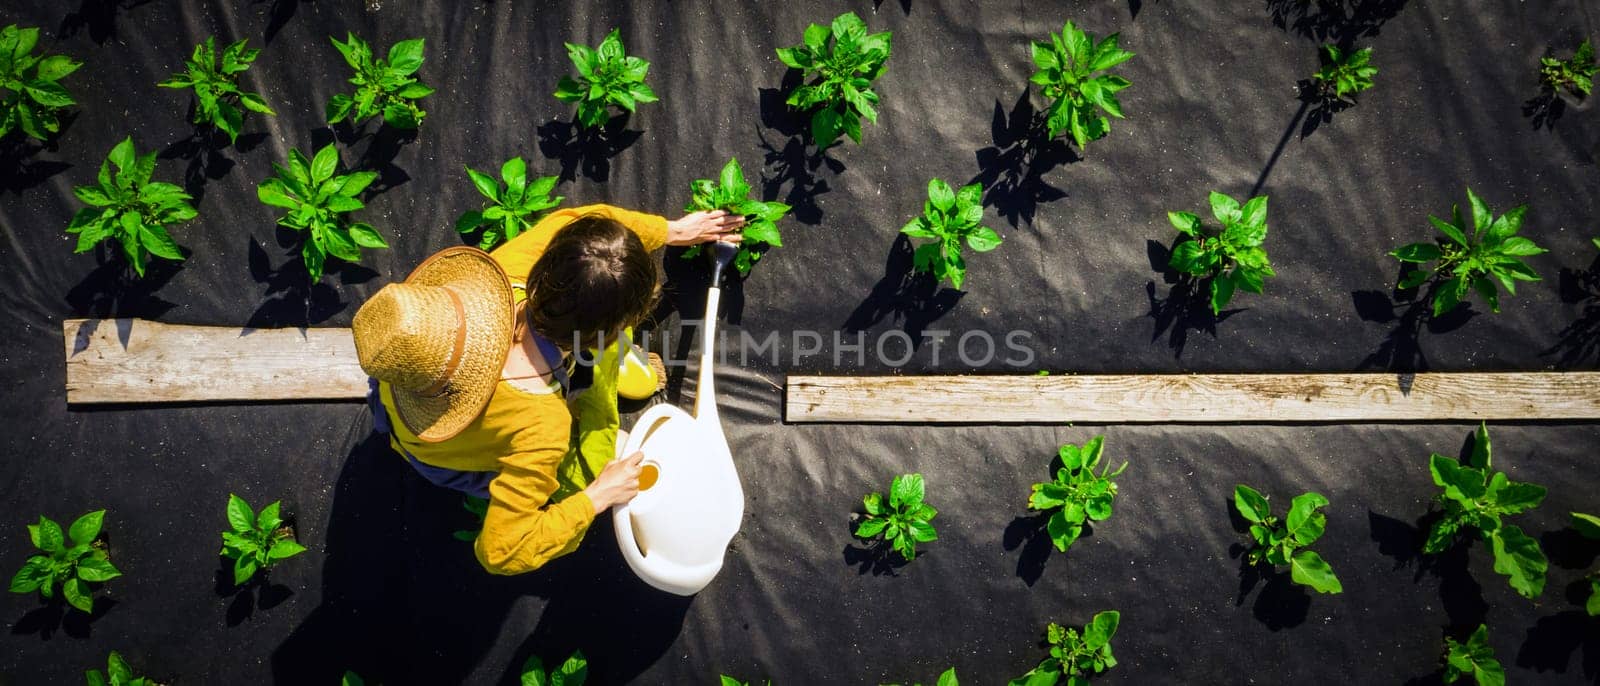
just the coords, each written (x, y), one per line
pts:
(1193, 398)
(139, 361)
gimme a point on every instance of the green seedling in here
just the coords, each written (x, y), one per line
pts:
(1227, 257)
(1078, 495)
(904, 521)
(479, 507)
(512, 209)
(1474, 658)
(1490, 252)
(31, 97)
(317, 200)
(1284, 542)
(217, 95)
(730, 681)
(730, 192)
(383, 86)
(1576, 73)
(351, 679)
(130, 208)
(257, 541)
(1476, 497)
(948, 678)
(570, 673)
(838, 64)
(607, 77)
(1066, 69)
(1344, 73)
(1075, 656)
(1589, 526)
(949, 218)
(117, 673)
(70, 561)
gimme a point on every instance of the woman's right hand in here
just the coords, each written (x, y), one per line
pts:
(618, 483)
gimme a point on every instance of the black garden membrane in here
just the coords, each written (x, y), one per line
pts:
(387, 592)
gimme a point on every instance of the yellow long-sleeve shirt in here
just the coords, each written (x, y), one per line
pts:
(523, 435)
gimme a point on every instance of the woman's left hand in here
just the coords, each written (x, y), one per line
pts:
(704, 227)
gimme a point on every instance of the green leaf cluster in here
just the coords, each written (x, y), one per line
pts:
(949, 217)
(948, 678)
(1477, 497)
(839, 62)
(117, 673)
(30, 96)
(1065, 72)
(216, 87)
(730, 192)
(1345, 73)
(607, 76)
(1078, 495)
(1284, 542)
(1576, 73)
(71, 561)
(383, 86)
(351, 679)
(1490, 252)
(730, 681)
(255, 541)
(570, 673)
(317, 200)
(904, 521)
(479, 507)
(1473, 658)
(1075, 655)
(517, 206)
(1229, 257)
(129, 207)
(1589, 526)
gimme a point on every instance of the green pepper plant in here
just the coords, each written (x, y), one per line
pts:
(949, 217)
(513, 208)
(1489, 253)
(215, 81)
(1226, 257)
(1477, 498)
(730, 192)
(117, 673)
(129, 207)
(70, 561)
(1077, 494)
(256, 542)
(840, 62)
(904, 520)
(1075, 655)
(607, 77)
(1344, 73)
(317, 200)
(1474, 658)
(31, 95)
(1575, 73)
(1066, 72)
(1284, 542)
(384, 86)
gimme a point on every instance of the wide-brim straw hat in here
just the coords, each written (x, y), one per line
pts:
(439, 339)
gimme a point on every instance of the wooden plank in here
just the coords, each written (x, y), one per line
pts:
(139, 361)
(1193, 398)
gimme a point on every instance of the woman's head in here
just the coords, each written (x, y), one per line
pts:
(594, 279)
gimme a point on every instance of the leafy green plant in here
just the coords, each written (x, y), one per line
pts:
(1576, 73)
(351, 679)
(1344, 73)
(68, 567)
(117, 673)
(1589, 526)
(1078, 495)
(383, 86)
(1075, 655)
(730, 681)
(904, 521)
(570, 673)
(257, 541)
(730, 192)
(1473, 658)
(948, 678)
(1477, 497)
(607, 76)
(1473, 260)
(131, 208)
(479, 507)
(948, 218)
(1227, 257)
(1285, 542)
(31, 98)
(839, 63)
(1065, 72)
(517, 206)
(217, 94)
(317, 200)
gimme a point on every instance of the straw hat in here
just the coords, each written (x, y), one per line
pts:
(440, 339)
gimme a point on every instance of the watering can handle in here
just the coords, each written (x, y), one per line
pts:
(722, 253)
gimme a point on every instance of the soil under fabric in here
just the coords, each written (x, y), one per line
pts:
(386, 591)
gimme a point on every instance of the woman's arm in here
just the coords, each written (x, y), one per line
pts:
(520, 534)
(518, 255)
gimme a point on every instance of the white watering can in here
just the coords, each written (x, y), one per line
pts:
(675, 532)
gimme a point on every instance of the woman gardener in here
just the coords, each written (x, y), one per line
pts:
(470, 368)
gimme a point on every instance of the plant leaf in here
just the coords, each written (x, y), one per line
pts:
(1308, 569)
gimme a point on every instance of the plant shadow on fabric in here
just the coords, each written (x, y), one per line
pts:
(383, 145)
(257, 593)
(1549, 644)
(1579, 344)
(791, 161)
(905, 6)
(875, 557)
(1409, 314)
(56, 615)
(1544, 110)
(1187, 306)
(1334, 21)
(583, 149)
(1012, 170)
(202, 153)
(99, 17)
(292, 300)
(1029, 533)
(1281, 604)
(111, 291)
(19, 167)
(911, 299)
(1459, 593)
(278, 16)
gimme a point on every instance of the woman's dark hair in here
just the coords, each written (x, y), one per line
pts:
(594, 279)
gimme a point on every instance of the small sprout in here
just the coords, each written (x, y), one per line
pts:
(1474, 658)
(31, 100)
(1589, 526)
(904, 521)
(1576, 73)
(731, 193)
(949, 217)
(1277, 541)
(131, 208)
(1066, 67)
(1078, 495)
(257, 541)
(607, 77)
(117, 673)
(570, 673)
(383, 86)
(512, 209)
(839, 63)
(1228, 257)
(218, 98)
(1491, 252)
(1477, 497)
(1343, 74)
(70, 562)
(730, 681)
(351, 679)
(317, 201)
(948, 678)
(1074, 655)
